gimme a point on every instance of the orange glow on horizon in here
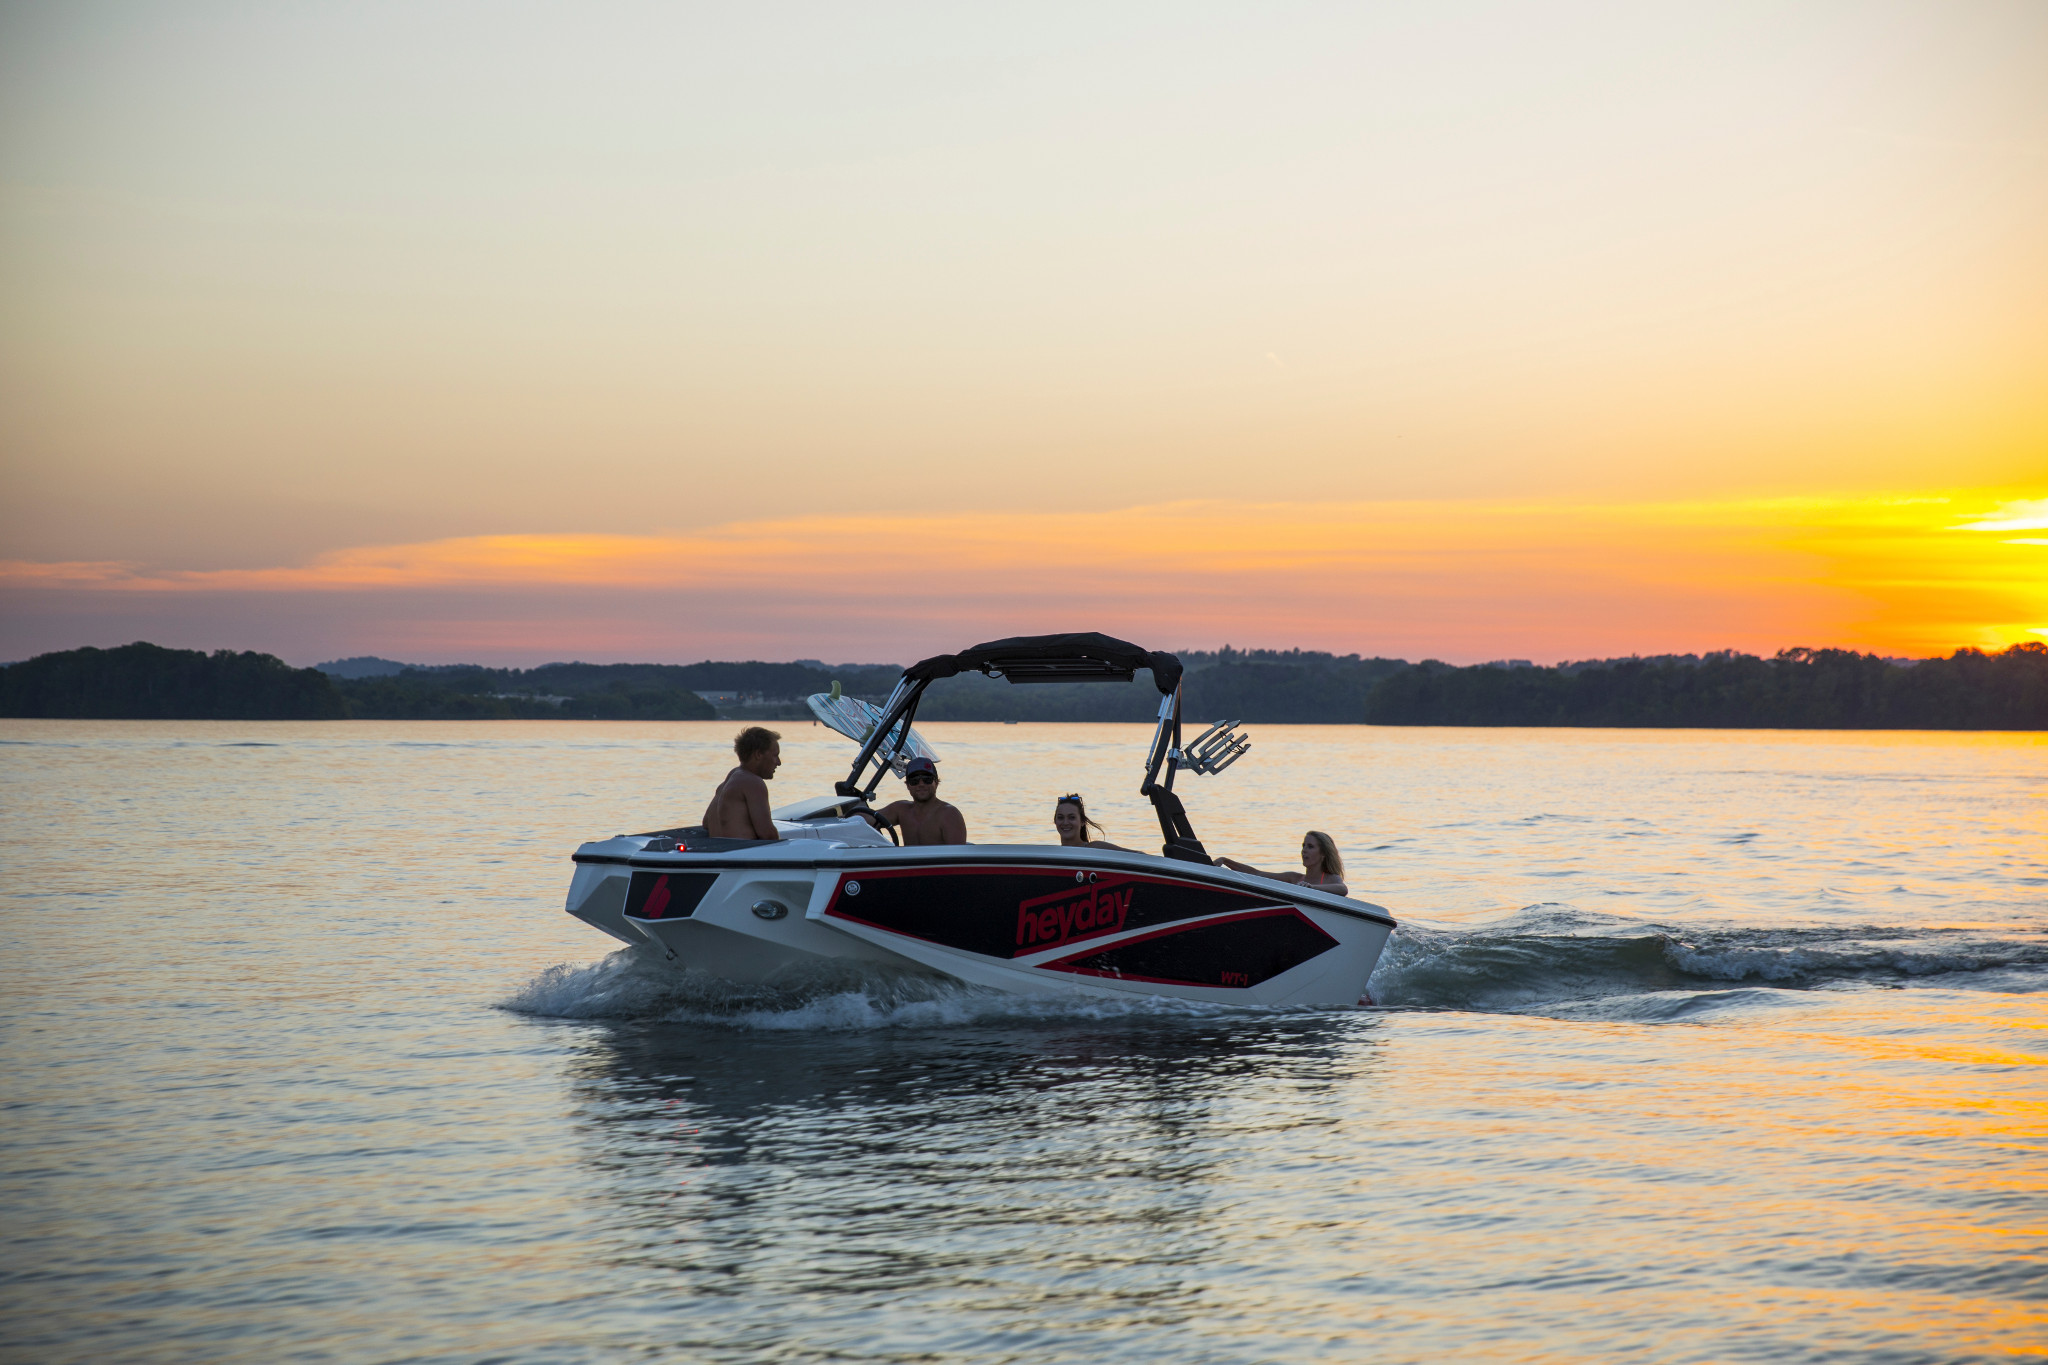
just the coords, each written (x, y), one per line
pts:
(1910, 575)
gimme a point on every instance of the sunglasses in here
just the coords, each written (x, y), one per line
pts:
(915, 778)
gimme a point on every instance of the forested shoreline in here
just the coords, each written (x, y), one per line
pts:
(149, 682)
(1799, 689)
(1796, 689)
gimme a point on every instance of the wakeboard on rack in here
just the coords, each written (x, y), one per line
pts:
(857, 719)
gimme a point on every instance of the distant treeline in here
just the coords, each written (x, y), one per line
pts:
(148, 682)
(1797, 689)
(1800, 689)
(597, 691)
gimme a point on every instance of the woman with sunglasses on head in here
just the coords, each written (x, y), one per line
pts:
(924, 819)
(1321, 865)
(1070, 821)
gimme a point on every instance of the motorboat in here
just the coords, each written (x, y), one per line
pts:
(834, 893)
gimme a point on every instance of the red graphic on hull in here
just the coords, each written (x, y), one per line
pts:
(1066, 915)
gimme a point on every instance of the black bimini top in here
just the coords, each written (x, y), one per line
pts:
(1053, 658)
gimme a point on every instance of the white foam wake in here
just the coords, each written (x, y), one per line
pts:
(1545, 959)
(1544, 956)
(628, 985)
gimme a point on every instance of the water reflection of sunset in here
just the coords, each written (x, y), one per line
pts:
(1683, 1055)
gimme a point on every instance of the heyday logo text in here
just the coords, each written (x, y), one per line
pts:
(1048, 921)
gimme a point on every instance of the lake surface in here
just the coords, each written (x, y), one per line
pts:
(1694, 1046)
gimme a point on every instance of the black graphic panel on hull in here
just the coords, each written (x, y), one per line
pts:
(1240, 950)
(666, 895)
(1012, 911)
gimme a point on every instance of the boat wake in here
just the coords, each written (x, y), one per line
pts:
(630, 985)
(1552, 959)
(1545, 959)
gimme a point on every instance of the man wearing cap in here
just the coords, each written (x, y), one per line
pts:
(924, 819)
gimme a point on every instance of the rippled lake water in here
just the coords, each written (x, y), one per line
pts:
(1693, 1046)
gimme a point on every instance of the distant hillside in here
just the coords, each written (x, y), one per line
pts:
(1296, 686)
(145, 681)
(576, 691)
(472, 693)
(1797, 689)
(362, 666)
(148, 682)
(1828, 689)
(370, 666)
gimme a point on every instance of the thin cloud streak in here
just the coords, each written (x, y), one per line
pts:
(2014, 516)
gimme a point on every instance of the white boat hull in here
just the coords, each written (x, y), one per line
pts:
(1030, 918)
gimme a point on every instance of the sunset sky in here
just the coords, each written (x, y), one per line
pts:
(615, 331)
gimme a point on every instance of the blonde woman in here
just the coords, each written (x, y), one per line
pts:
(1321, 865)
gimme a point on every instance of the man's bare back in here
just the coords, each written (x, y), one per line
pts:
(739, 808)
(924, 819)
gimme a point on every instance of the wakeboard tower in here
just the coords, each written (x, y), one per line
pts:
(832, 893)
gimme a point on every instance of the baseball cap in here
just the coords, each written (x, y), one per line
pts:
(920, 765)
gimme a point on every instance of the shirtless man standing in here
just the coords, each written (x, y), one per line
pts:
(924, 819)
(739, 808)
